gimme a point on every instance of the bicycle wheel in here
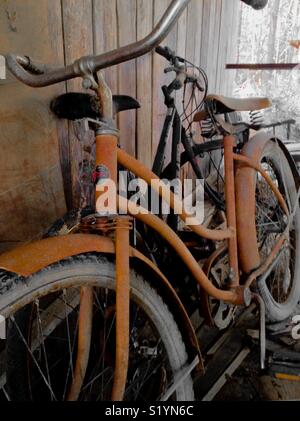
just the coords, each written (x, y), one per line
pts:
(42, 335)
(281, 288)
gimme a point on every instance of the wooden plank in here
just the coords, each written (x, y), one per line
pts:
(181, 49)
(78, 37)
(159, 78)
(31, 189)
(226, 12)
(144, 85)
(194, 29)
(211, 394)
(126, 18)
(214, 44)
(204, 53)
(193, 47)
(193, 39)
(230, 9)
(233, 42)
(78, 41)
(210, 53)
(219, 362)
(105, 34)
(57, 45)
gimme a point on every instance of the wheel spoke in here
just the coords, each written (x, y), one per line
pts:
(12, 318)
(40, 333)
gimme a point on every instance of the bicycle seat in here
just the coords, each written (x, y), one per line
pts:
(76, 105)
(222, 104)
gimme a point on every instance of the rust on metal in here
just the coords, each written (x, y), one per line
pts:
(141, 171)
(172, 238)
(229, 143)
(85, 321)
(295, 43)
(245, 186)
(265, 175)
(204, 302)
(122, 306)
(106, 159)
(100, 225)
(31, 258)
(263, 66)
(200, 115)
(184, 321)
(267, 263)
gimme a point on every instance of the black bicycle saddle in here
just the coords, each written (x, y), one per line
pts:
(76, 106)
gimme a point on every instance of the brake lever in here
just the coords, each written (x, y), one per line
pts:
(200, 87)
(195, 80)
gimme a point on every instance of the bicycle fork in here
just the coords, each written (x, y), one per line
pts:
(106, 160)
(106, 183)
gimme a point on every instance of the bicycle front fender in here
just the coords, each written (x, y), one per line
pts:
(31, 258)
(245, 185)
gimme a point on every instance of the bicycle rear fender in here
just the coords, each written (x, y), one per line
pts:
(31, 258)
(245, 184)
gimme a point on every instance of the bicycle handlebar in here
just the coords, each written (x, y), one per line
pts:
(37, 75)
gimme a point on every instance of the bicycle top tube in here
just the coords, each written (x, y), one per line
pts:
(39, 75)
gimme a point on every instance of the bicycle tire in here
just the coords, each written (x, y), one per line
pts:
(99, 271)
(278, 311)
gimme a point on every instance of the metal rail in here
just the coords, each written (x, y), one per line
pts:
(262, 66)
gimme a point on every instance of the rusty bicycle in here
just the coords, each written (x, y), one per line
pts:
(104, 312)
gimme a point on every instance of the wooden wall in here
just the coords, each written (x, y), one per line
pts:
(35, 147)
(31, 188)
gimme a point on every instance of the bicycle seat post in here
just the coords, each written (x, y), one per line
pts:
(105, 97)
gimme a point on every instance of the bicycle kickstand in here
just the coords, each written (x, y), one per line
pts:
(262, 329)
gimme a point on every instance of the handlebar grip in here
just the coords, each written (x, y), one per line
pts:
(168, 54)
(34, 68)
(35, 74)
(165, 52)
